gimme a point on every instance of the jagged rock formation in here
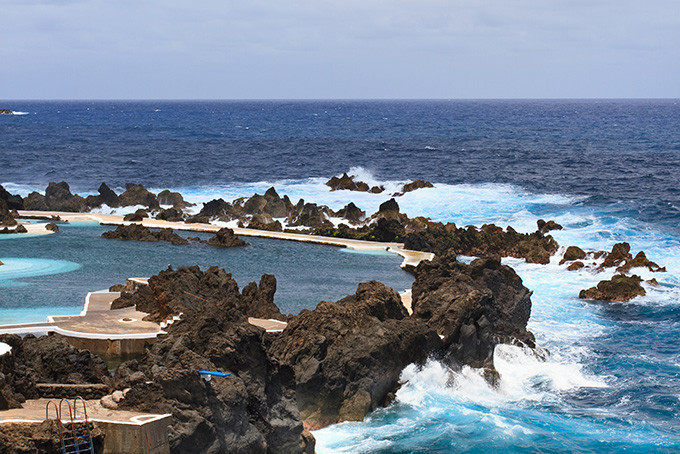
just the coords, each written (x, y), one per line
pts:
(619, 288)
(6, 112)
(347, 183)
(6, 217)
(170, 215)
(175, 199)
(46, 359)
(545, 227)
(473, 307)
(348, 355)
(58, 197)
(136, 194)
(621, 258)
(352, 213)
(254, 409)
(137, 216)
(13, 202)
(408, 187)
(310, 215)
(225, 237)
(573, 253)
(138, 232)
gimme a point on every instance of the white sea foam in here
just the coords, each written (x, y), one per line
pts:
(20, 113)
(4, 348)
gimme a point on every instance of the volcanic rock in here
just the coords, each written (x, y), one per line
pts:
(265, 222)
(46, 359)
(14, 202)
(138, 232)
(310, 215)
(6, 112)
(473, 307)
(270, 203)
(170, 215)
(345, 182)
(417, 184)
(537, 255)
(175, 199)
(57, 197)
(352, 213)
(137, 216)
(225, 237)
(545, 227)
(619, 288)
(52, 227)
(573, 253)
(136, 194)
(577, 265)
(108, 196)
(36, 202)
(621, 258)
(6, 217)
(348, 355)
(252, 410)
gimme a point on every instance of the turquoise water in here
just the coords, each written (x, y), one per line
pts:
(47, 273)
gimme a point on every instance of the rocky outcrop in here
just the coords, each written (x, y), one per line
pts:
(348, 355)
(6, 112)
(138, 232)
(218, 208)
(621, 258)
(310, 215)
(108, 197)
(13, 202)
(346, 183)
(619, 288)
(486, 241)
(225, 237)
(170, 215)
(269, 204)
(352, 213)
(265, 222)
(573, 253)
(6, 217)
(174, 199)
(259, 299)
(58, 197)
(52, 227)
(35, 202)
(254, 409)
(136, 194)
(46, 359)
(137, 216)
(545, 227)
(408, 187)
(473, 307)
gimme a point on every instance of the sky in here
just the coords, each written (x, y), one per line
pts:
(339, 49)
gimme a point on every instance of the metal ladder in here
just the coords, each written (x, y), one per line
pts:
(75, 436)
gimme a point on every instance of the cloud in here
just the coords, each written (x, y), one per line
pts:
(304, 48)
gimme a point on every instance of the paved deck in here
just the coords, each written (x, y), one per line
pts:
(34, 411)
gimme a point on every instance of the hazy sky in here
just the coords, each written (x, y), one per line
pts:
(226, 49)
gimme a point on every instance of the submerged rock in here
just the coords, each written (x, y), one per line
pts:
(348, 355)
(619, 288)
(473, 307)
(138, 232)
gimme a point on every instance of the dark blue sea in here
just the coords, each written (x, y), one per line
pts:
(606, 170)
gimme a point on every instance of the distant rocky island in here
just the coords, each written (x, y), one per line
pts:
(6, 112)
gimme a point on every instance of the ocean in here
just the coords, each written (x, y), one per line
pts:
(605, 170)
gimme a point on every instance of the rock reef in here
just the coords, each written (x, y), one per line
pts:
(138, 232)
(619, 288)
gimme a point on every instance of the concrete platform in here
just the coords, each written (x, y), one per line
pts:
(125, 431)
